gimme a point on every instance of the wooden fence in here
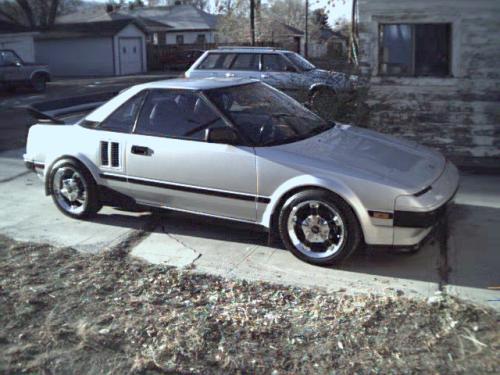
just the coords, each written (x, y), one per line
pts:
(170, 56)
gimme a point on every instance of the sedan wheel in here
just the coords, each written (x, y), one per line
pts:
(73, 190)
(319, 228)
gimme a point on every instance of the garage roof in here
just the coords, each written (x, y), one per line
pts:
(87, 29)
(11, 28)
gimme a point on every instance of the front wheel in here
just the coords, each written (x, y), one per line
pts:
(74, 191)
(319, 227)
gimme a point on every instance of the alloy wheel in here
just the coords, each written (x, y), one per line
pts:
(316, 229)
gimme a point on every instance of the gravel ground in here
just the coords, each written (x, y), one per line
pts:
(65, 312)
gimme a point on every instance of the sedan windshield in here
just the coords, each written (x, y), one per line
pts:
(265, 116)
(299, 61)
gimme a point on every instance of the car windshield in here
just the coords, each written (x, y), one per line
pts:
(266, 116)
(299, 61)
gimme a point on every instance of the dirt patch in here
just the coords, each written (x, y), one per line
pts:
(64, 312)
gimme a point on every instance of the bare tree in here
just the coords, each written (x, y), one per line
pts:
(31, 13)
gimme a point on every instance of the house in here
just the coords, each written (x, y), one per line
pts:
(164, 25)
(327, 43)
(102, 48)
(18, 39)
(286, 36)
(434, 75)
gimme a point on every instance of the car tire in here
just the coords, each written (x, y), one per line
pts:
(319, 227)
(323, 101)
(73, 189)
(39, 83)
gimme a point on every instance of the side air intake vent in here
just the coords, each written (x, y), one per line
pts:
(115, 154)
(104, 153)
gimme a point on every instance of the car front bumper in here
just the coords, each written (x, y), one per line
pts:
(416, 215)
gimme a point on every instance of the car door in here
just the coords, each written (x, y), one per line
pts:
(110, 138)
(12, 67)
(280, 73)
(245, 65)
(171, 166)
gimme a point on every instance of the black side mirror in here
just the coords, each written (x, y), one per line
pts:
(16, 63)
(223, 135)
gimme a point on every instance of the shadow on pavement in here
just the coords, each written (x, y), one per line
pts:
(473, 251)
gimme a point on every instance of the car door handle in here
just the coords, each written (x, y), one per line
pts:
(229, 75)
(142, 150)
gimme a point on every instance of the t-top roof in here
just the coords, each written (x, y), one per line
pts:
(196, 84)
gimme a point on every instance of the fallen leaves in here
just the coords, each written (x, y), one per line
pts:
(64, 312)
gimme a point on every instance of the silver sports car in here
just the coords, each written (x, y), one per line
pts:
(242, 150)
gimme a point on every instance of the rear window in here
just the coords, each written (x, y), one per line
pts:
(217, 61)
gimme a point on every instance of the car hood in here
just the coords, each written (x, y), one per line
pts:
(328, 77)
(361, 152)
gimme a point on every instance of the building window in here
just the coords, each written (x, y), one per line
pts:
(155, 39)
(179, 39)
(201, 39)
(415, 50)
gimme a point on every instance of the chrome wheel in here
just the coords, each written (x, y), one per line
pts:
(70, 190)
(316, 229)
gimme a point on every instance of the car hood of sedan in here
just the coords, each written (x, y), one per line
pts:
(356, 151)
(327, 77)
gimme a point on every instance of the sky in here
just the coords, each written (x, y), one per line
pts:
(341, 10)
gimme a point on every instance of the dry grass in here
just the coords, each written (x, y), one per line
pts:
(66, 313)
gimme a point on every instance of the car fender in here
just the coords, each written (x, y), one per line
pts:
(310, 182)
(40, 71)
(320, 85)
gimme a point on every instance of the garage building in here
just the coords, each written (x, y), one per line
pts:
(93, 49)
(18, 39)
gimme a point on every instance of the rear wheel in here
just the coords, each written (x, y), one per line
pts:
(39, 83)
(74, 191)
(319, 227)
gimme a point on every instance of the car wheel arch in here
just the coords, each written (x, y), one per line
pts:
(320, 86)
(41, 73)
(284, 197)
(79, 161)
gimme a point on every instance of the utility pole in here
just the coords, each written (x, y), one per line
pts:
(306, 30)
(252, 21)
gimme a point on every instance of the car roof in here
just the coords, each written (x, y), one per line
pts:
(248, 50)
(196, 84)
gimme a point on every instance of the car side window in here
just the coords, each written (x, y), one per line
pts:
(177, 114)
(217, 61)
(8, 58)
(246, 61)
(275, 63)
(123, 118)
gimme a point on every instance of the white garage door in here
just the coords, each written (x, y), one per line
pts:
(130, 55)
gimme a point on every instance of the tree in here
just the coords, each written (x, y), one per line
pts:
(320, 17)
(34, 13)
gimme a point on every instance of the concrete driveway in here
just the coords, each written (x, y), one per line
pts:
(462, 259)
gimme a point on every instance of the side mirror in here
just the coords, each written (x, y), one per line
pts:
(16, 63)
(224, 135)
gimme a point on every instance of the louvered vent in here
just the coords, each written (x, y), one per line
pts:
(104, 153)
(115, 154)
